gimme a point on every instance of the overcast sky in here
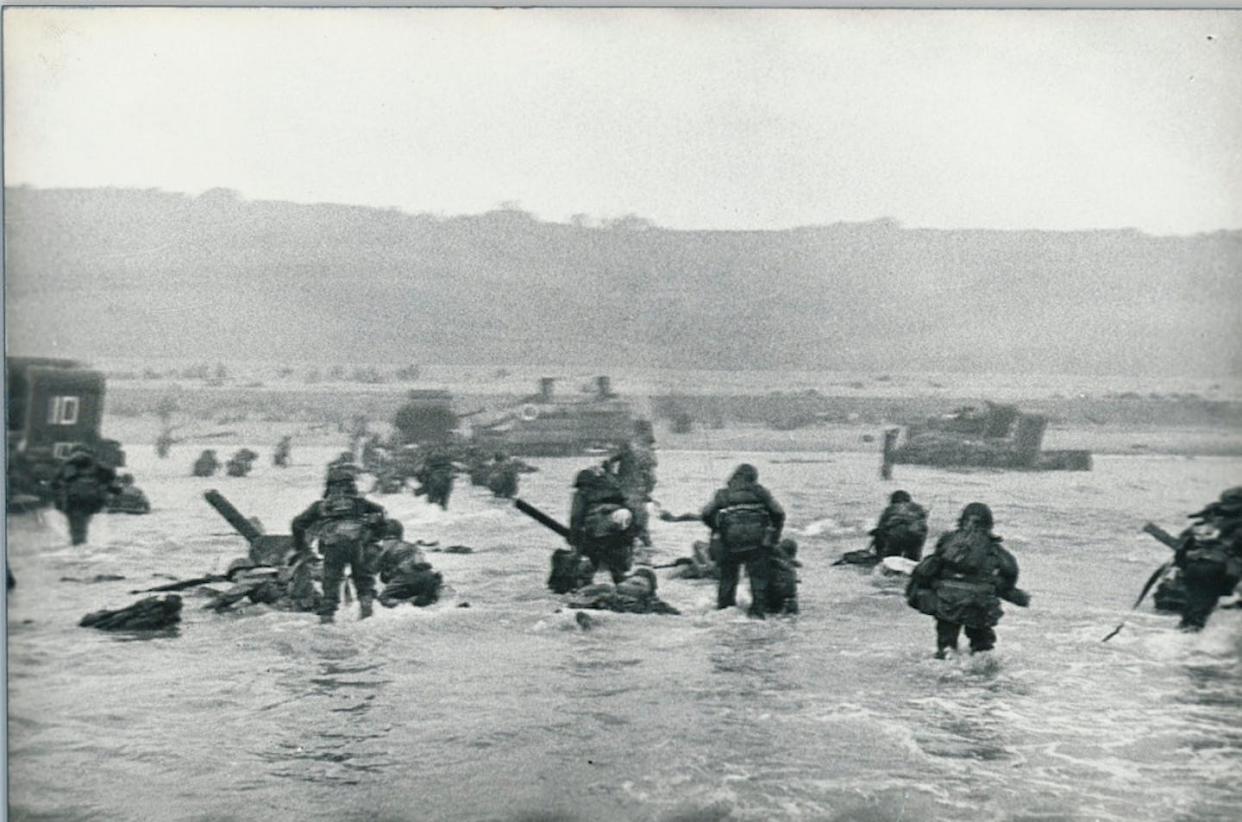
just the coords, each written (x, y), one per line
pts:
(692, 118)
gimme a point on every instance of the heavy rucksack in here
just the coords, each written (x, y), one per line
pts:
(342, 525)
(968, 552)
(83, 490)
(906, 521)
(743, 526)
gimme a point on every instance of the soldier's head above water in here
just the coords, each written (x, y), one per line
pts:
(899, 496)
(976, 514)
(393, 529)
(745, 473)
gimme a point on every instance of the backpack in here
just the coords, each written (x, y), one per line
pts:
(342, 526)
(906, 520)
(968, 552)
(82, 489)
(743, 527)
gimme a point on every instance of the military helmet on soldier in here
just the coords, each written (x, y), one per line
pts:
(978, 512)
(393, 529)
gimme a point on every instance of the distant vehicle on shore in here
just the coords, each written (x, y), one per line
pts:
(53, 404)
(998, 436)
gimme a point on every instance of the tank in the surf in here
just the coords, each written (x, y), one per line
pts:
(551, 424)
(997, 436)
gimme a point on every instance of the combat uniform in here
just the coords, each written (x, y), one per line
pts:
(82, 488)
(902, 528)
(405, 572)
(601, 524)
(1209, 557)
(344, 524)
(962, 582)
(749, 522)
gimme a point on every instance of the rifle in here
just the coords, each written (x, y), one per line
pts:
(1157, 575)
(540, 517)
(1161, 534)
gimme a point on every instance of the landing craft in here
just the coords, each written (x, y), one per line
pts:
(53, 405)
(1000, 436)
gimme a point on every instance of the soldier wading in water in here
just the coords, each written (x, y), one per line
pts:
(749, 522)
(344, 524)
(962, 582)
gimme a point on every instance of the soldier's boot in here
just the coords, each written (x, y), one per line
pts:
(364, 606)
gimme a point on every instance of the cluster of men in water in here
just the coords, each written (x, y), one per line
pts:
(961, 583)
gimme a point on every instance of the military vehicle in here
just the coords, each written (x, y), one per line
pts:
(426, 417)
(53, 404)
(547, 425)
(999, 436)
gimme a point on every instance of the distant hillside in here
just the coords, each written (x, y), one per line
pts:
(114, 272)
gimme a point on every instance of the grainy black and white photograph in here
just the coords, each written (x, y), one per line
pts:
(623, 415)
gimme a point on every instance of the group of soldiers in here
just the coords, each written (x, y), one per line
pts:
(240, 463)
(434, 468)
(961, 584)
(354, 533)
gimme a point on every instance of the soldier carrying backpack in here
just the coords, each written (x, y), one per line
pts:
(748, 522)
(82, 488)
(343, 524)
(601, 525)
(902, 528)
(962, 582)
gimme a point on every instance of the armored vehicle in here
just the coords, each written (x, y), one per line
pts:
(998, 436)
(53, 405)
(426, 417)
(547, 425)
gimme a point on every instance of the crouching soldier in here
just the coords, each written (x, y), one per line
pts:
(783, 568)
(902, 528)
(749, 522)
(403, 568)
(129, 499)
(344, 524)
(1209, 558)
(601, 527)
(206, 465)
(962, 582)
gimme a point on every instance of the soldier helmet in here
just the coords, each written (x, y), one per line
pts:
(1231, 498)
(788, 547)
(746, 473)
(393, 529)
(587, 477)
(127, 479)
(978, 512)
(899, 496)
(342, 473)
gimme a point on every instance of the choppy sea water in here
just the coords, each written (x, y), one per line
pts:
(508, 710)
